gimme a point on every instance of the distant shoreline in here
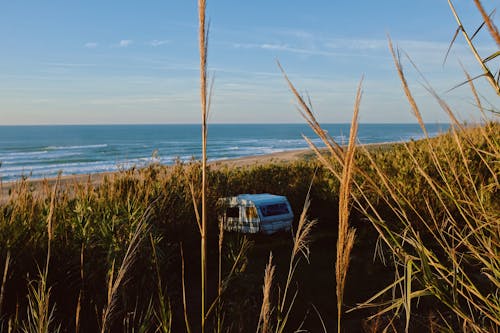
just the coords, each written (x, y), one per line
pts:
(41, 151)
(96, 178)
(239, 162)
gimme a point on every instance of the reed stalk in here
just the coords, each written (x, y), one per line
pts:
(202, 35)
(80, 294)
(489, 22)
(4, 279)
(495, 35)
(346, 234)
(184, 302)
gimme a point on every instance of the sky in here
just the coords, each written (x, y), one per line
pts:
(136, 62)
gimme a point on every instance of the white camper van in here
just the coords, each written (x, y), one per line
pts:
(252, 213)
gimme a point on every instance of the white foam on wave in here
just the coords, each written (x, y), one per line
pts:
(41, 171)
(103, 145)
(28, 153)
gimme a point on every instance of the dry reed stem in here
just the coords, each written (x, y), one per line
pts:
(489, 23)
(4, 279)
(202, 35)
(473, 89)
(80, 295)
(184, 301)
(195, 206)
(219, 280)
(264, 324)
(51, 208)
(306, 112)
(486, 71)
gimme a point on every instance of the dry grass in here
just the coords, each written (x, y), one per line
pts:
(487, 72)
(4, 279)
(203, 45)
(264, 324)
(115, 282)
(346, 234)
(489, 22)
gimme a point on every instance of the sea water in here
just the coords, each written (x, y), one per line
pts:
(44, 151)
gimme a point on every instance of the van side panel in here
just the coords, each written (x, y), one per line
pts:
(274, 219)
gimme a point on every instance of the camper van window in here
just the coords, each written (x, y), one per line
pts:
(233, 212)
(276, 209)
(251, 213)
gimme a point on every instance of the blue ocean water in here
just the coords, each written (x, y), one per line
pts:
(43, 151)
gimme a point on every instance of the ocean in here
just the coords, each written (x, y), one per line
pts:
(42, 151)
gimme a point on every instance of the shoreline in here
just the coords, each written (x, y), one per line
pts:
(239, 162)
(96, 178)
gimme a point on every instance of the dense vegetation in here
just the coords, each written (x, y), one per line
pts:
(416, 226)
(149, 212)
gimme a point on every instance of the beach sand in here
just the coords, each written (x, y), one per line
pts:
(96, 179)
(281, 157)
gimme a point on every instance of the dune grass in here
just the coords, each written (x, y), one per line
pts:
(97, 223)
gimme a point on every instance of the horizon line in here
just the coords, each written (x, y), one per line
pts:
(223, 123)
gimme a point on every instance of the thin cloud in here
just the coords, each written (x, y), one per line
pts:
(68, 64)
(156, 42)
(125, 43)
(285, 48)
(91, 45)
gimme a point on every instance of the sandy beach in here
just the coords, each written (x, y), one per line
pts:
(96, 178)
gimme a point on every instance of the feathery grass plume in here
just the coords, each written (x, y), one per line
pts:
(346, 234)
(414, 107)
(306, 112)
(264, 324)
(114, 283)
(473, 90)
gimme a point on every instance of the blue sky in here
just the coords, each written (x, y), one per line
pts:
(106, 62)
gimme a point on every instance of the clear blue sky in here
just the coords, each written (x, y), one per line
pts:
(88, 62)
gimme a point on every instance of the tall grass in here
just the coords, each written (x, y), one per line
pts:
(444, 237)
(495, 35)
(346, 234)
(202, 36)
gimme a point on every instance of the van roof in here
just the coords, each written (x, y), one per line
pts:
(263, 198)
